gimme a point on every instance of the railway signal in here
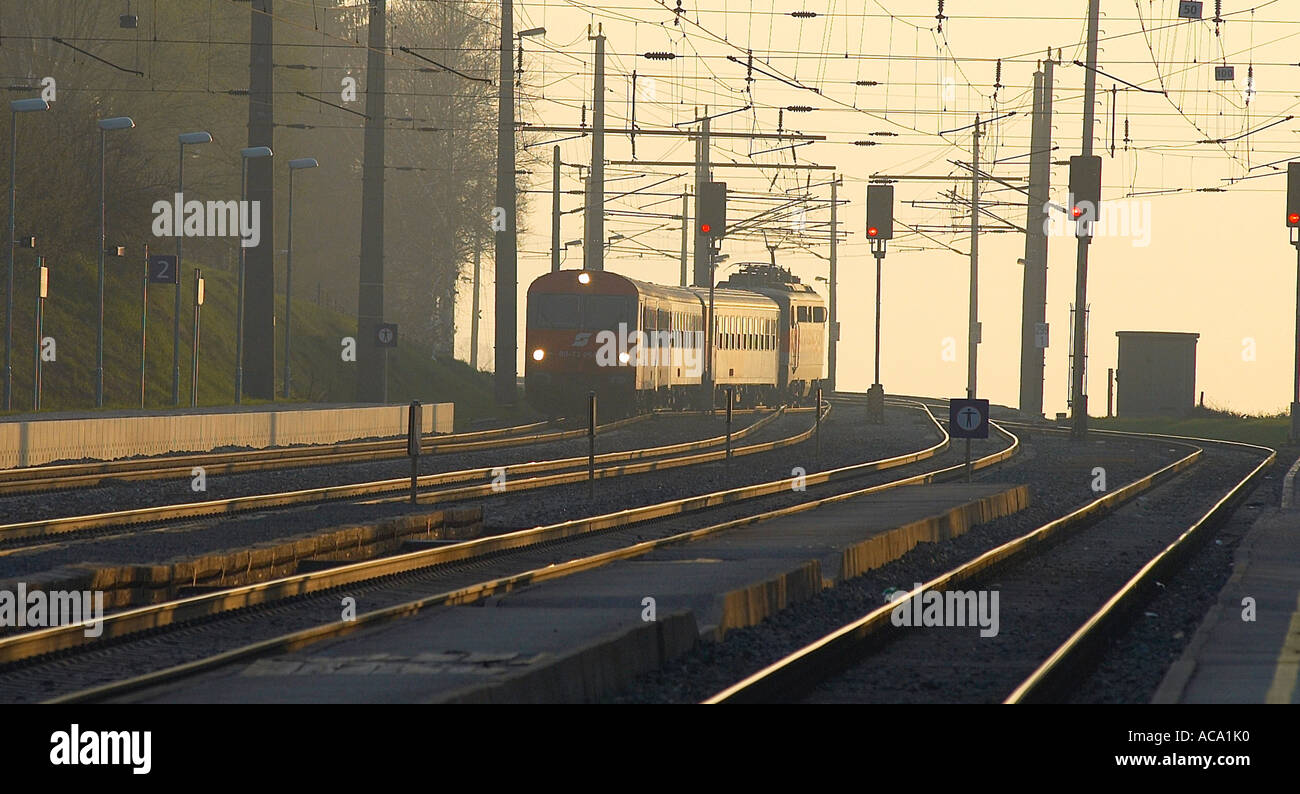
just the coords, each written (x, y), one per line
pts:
(880, 212)
(1085, 192)
(880, 229)
(713, 210)
(1293, 222)
(1293, 195)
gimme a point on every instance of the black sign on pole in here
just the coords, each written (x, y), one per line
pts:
(968, 418)
(163, 269)
(386, 335)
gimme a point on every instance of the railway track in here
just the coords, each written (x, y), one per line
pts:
(451, 574)
(1066, 596)
(21, 534)
(44, 479)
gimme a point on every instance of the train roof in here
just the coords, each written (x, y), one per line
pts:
(608, 283)
(605, 282)
(735, 299)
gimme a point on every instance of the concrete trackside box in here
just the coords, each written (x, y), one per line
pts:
(1156, 373)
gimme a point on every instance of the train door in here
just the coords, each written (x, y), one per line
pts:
(794, 337)
(642, 359)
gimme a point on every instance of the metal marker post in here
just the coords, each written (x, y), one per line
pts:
(730, 399)
(591, 445)
(144, 321)
(42, 291)
(194, 355)
(413, 436)
(818, 421)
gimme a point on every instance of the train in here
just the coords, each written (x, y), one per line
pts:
(639, 346)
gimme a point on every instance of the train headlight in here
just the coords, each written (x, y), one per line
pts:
(584, 278)
(623, 357)
(539, 354)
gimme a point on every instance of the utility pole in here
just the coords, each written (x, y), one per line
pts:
(973, 334)
(555, 213)
(372, 366)
(474, 309)
(686, 232)
(1079, 400)
(259, 262)
(506, 307)
(703, 258)
(1034, 296)
(834, 324)
(593, 247)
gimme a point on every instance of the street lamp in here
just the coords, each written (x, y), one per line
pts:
(184, 138)
(15, 107)
(251, 153)
(294, 165)
(105, 126)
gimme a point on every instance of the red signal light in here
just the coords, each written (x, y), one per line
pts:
(1293, 219)
(872, 231)
(705, 228)
(1077, 212)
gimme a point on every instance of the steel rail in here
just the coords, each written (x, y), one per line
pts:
(46, 528)
(29, 644)
(800, 670)
(1052, 677)
(207, 605)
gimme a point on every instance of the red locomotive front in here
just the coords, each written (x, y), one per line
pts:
(567, 313)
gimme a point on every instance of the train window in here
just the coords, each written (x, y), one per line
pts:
(803, 314)
(819, 314)
(553, 311)
(607, 311)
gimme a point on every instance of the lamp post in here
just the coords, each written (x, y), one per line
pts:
(105, 126)
(185, 138)
(294, 165)
(15, 107)
(250, 153)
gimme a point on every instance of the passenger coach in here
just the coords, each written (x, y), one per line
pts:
(640, 346)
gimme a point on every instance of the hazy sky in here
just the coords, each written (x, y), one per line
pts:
(1214, 263)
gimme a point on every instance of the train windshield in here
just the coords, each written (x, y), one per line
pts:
(606, 311)
(557, 311)
(553, 311)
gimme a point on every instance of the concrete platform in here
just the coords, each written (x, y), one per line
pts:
(31, 440)
(585, 635)
(1234, 660)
